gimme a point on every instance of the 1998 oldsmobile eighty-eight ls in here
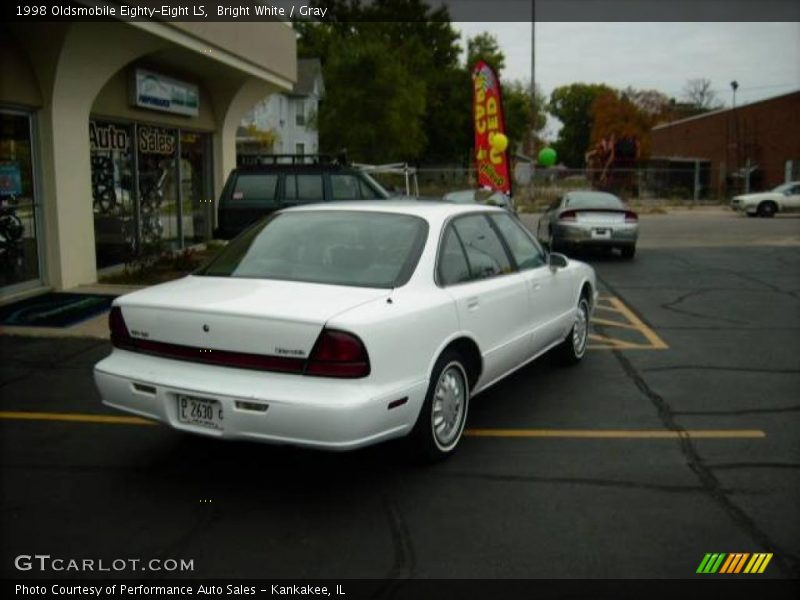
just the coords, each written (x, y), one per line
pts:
(336, 326)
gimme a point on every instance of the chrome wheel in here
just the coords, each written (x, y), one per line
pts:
(580, 330)
(449, 406)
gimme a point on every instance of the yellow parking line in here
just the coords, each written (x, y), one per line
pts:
(631, 323)
(496, 433)
(608, 308)
(82, 418)
(616, 433)
(614, 323)
(609, 343)
(656, 342)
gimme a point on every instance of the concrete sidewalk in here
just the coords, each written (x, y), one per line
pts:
(96, 327)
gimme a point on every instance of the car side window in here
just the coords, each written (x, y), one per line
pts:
(452, 266)
(525, 252)
(255, 187)
(345, 187)
(304, 188)
(485, 253)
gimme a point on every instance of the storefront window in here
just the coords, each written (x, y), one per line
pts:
(19, 251)
(196, 194)
(158, 193)
(139, 206)
(112, 192)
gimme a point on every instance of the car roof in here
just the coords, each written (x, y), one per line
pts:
(590, 195)
(427, 209)
(283, 167)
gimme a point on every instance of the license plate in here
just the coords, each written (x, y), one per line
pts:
(202, 412)
(601, 233)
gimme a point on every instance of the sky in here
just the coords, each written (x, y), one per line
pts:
(764, 58)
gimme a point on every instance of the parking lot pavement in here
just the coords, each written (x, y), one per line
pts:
(636, 463)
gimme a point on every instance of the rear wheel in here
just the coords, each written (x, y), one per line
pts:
(573, 348)
(767, 209)
(440, 423)
(628, 251)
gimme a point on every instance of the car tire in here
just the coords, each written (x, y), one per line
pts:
(573, 348)
(767, 209)
(441, 420)
(628, 252)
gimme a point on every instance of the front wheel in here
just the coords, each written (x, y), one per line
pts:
(573, 348)
(767, 209)
(440, 423)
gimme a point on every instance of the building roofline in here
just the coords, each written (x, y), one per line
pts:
(722, 110)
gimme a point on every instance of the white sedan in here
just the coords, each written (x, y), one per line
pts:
(784, 198)
(341, 325)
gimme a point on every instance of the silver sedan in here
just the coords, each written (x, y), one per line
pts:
(583, 219)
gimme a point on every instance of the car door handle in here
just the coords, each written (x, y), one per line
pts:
(472, 303)
(537, 287)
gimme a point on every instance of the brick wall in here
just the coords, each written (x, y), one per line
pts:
(766, 132)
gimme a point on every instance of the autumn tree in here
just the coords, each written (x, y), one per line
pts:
(572, 105)
(629, 113)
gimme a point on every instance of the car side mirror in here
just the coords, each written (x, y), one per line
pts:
(556, 261)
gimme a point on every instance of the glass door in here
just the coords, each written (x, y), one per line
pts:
(19, 240)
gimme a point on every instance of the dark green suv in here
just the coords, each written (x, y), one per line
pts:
(254, 191)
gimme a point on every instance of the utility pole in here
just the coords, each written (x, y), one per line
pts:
(734, 87)
(533, 96)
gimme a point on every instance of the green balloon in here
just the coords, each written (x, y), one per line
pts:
(547, 157)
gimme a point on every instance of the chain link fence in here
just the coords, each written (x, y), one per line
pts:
(653, 185)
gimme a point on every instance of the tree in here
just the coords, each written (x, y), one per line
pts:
(525, 118)
(572, 104)
(420, 47)
(699, 93)
(484, 47)
(377, 110)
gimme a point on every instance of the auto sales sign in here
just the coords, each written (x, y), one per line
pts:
(491, 160)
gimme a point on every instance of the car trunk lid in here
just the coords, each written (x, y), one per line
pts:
(264, 317)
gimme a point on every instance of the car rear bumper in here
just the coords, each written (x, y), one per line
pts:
(587, 235)
(268, 407)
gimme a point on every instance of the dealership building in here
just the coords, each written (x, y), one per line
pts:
(747, 148)
(116, 136)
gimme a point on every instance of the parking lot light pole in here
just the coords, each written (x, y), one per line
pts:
(735, 170)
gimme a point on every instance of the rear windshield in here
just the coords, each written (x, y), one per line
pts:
(596, 200)
(255, 187)
(365, 249)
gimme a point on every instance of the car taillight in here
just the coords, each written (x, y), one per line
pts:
(631, 217)
(338, 354)
(568, 215)
(120, 337)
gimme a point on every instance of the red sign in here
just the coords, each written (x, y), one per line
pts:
(487, 111)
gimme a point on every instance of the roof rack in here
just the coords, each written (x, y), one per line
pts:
(248, 160)
(409, 174)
